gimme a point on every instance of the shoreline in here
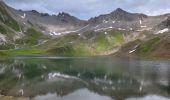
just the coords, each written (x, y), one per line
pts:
(3, 97)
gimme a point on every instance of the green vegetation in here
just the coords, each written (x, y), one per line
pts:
(6, 46)
(63, 50)
(89, 43)
(107, 41)
(26, 51)
(3, 30)
(8, 32)
(31, 38)
(8, 20)
(148, 45)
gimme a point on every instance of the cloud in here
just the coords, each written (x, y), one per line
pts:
(85, 9)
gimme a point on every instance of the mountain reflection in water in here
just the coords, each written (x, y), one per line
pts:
(100, 78)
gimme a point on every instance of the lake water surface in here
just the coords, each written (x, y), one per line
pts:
(85, 78)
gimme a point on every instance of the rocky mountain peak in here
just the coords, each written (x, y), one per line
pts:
(66, 16)
(62, 14)
(34, 11)
(120, 14)
(119, 10)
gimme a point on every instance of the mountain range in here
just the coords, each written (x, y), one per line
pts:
(119, 33)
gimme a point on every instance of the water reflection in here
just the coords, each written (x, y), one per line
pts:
(82, 94)
(95, 77)
(149, 97)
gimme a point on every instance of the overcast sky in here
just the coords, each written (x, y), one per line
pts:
(84, 9)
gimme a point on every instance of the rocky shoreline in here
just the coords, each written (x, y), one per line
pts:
(2, 97)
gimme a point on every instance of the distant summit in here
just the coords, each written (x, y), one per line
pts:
(118, 15)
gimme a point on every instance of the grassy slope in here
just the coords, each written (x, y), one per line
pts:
(73, 45)
(147, 47)
(8, 28)
(90, 43)
(9, 34)
(29, 45)
(32, 37)
(156, 46)
(7, 19)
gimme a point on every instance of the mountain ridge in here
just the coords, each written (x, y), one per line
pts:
(32, 32)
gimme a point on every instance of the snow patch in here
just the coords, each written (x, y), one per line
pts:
(143, 26)
(132, 51)
(96, 26)
(121, 29)
(103, 29)
(104, 21)
(23, 17)
(140, 30)
(55, 33)
(105, 33)
(110, 27)
(67, 32)
(163, 31)
(140, 21)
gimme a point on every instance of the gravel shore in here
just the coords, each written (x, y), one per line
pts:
(12, 98)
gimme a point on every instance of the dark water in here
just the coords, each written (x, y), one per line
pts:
(85, 78)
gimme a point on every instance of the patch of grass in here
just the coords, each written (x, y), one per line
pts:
(63, 50)
(91, 43)
(6, 46)
(31, 37)
(8, 32)
(3, 30)
(109, 40)
(148, 45)
(26, 51)
(117, 37)
(8, 20)
(2, 54)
